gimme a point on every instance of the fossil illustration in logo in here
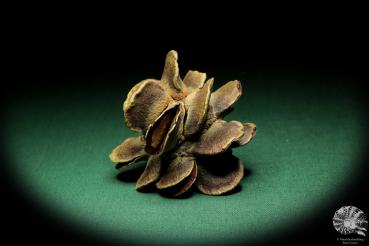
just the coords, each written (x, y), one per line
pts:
(349, 219)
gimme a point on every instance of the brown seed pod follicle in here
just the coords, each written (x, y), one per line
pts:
(184, 135)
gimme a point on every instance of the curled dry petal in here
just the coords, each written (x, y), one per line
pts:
(217, 176)
(225, 97)
(151, 173)
(165, 129)
(144, 103)
(197, 107)
(175, 137)
(170, 77)
(218, 138)
(131, 150)
(177, 170)
(187, 183)
(194, 80)
(249, 130)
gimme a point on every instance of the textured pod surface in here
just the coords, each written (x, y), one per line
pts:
(187, 182)
(175, 137)
(217, 176)
(151, 173)
(218, 138)
(194, 80)
(130, 150)
(249, 131)
(170, 77)
(197, 107)
(144, 103)
(177, 170)
(161, 130)
(223, 98)
(181, 124)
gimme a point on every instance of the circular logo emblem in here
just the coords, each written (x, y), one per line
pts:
(350, 219)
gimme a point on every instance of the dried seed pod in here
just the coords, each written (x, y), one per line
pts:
(177, 170)
(182, 187)
(185, 138)
(144, 103)
(175, 137)
(170, 77)
(218, 138)
(151, 173)
(197, 108)
(131, 150)
(194, 80)
(223, 98)
(165, 129)
(187, 182)
(217, 176)
(249, 131)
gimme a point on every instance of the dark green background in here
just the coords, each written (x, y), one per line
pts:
(308, 151)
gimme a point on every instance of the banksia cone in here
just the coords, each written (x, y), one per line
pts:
(182, 133)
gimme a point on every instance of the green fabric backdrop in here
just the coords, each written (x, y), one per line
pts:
(306, 152)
